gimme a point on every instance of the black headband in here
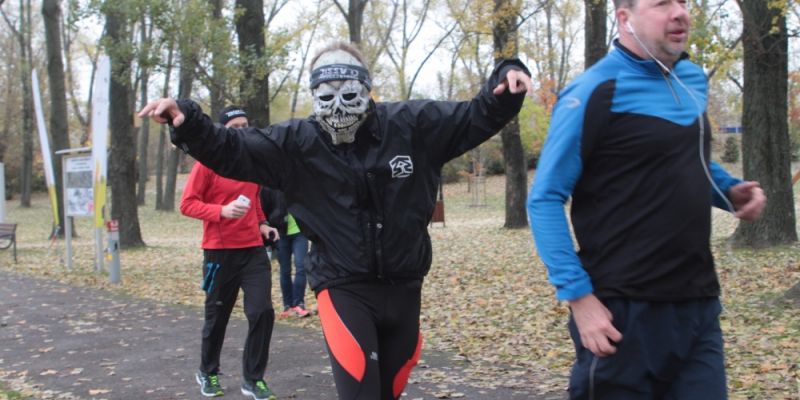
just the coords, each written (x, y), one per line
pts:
(340, 72)
(230, 113)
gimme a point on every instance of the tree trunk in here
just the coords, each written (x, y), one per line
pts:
(59, 126)
(218, 59)
(354, 15)
(594, 31)
(504, 33)
(26, 169)
(162, 137)
(122, 160)
(144, 130)
(765, 139)
(185, 82)
(254, 88)
(144, 143)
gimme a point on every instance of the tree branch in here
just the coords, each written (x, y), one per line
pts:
(735, 81)
(341, 9)
(730, 48)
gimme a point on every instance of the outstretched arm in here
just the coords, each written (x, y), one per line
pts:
(239, 154)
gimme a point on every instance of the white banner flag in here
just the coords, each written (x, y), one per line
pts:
(44, 142)
(100, 104)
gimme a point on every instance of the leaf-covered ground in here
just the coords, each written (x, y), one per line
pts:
(486, 299)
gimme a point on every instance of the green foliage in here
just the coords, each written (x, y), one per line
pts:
(731, 152)
(454, 169)
(713, 42)
(794, 142)
(534, 122)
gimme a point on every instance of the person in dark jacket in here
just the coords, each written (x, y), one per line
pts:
(629, 142)
(292, 242)
(361, 180)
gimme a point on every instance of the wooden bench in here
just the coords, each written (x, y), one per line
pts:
(8, 237)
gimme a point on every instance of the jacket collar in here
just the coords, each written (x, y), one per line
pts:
(647, 65)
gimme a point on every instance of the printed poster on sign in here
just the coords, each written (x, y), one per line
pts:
(80, 198)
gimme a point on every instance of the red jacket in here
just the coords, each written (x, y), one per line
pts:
(203, 197)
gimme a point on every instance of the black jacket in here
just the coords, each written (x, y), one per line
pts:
(273, 204)
(366, 205)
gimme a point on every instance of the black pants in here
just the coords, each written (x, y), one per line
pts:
(224, 272)
(372, 333)
(668, 351)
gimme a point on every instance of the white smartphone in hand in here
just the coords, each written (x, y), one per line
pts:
(243, 200)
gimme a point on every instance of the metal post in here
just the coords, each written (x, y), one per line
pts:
(67, 225)
(2, 193)
(113, 251)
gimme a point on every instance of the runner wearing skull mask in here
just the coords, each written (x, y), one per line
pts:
(361, 180)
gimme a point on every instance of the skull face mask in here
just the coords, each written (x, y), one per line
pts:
(340, 107)
(340, 86)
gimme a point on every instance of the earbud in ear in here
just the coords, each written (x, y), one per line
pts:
(629, 27)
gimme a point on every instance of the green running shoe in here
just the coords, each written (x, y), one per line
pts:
(209, 384)
(258, 390)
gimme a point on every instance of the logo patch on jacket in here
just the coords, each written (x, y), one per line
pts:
(402, 167)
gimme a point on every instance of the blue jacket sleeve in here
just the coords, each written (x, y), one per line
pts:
(724, 182)
(559, 169)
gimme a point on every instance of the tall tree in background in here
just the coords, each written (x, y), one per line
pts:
(23, 35)
(304, 53)
(162, 137)
(254, 88)
(219, 57)
(595, 46)
(399, 46)
(122, 160)
(144, 61)
(765, 138)
(354, 15)
(504, 33)
(186, 77)
(59, 126)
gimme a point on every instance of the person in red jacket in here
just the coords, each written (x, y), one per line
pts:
(233, 258)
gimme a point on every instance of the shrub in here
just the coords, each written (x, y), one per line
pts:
(731, 152)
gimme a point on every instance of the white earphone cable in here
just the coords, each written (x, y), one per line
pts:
(700, 112)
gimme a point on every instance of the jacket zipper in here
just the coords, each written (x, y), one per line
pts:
(378, 225)
(665, 75)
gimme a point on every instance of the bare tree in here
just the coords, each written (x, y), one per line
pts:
(186, 77)
(145, 38)
(304, 53)
(399, 46)
(219, 58)
(23, 35)
(162, 137)
(354, 15)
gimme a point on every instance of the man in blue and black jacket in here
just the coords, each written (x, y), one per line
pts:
(629, 141)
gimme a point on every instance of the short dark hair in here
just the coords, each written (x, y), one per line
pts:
(344, 46)
(624, 3)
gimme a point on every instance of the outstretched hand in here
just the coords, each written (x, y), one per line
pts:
(593, 320)
(515, 81)
(162, 111)
(749, 200)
